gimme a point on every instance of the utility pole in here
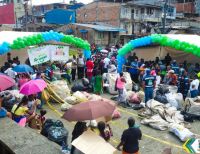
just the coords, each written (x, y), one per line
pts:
(164, 16)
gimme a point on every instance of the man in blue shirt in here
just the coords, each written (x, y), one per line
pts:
(183, 84)
(149, 83)
(134, 71)
(175, 67)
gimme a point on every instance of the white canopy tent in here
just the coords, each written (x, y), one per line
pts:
(10, 36)
(150, 52)
(192, 39)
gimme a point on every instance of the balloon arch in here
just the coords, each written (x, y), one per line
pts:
(40, 38)
(163, 40)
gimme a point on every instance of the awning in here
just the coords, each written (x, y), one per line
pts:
(83, 31)
(101, 28)
(69, 31)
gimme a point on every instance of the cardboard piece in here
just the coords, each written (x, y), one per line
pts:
(90, 143)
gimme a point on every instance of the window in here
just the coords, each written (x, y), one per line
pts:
(150, 11)
(142, 10)
(136, 12)
(100, 35)
(114, 34)
(124, 11)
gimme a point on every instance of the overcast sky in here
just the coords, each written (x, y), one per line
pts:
(85, 1)
(40, 2)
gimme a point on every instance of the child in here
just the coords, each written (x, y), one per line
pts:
(98, 83)
(3, 112)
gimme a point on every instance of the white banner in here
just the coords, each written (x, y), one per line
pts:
(39, 55)
(59, 53)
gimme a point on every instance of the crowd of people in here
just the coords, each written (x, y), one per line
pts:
(164, 71)
(147, 74)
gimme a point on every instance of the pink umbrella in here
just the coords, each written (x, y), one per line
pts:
(6, 82)
(33, 87)
(89, 111)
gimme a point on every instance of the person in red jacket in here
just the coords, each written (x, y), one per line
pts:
(89, 66)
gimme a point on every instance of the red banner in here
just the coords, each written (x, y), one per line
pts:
(7, 14)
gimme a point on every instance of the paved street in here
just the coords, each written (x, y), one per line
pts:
(153, 141)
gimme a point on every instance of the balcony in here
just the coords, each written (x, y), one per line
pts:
(148, 18)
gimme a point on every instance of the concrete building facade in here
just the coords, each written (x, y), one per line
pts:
(136, 18)
(105, 12)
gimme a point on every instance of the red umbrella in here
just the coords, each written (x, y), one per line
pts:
(6, 82)
(89, 111)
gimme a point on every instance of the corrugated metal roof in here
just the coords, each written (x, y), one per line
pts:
(148, 3)
(102, 28)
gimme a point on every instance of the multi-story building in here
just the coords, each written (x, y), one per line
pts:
(187, 8)
(12, 11)
(137, 17)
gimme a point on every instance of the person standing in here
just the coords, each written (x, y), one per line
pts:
(149, 83)
(175, 67)
(130, 138)
(90, 67)
(98, 83)
(183, 84)
(120, 86)
(134, 71)
(80, 65)
(168, 59)
(106, 62)
(194, 87)
(79, 129)
(74, 66)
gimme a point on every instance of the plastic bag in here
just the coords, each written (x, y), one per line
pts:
(181, 132)
(58, 135)
(85, 81)
(48, 123)
(161, 98)
(78, 87)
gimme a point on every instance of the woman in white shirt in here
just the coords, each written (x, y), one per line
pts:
(80, 64)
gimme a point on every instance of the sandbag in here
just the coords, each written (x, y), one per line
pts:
(61, 88)
(141, 95)
(181, 132)
(192, 106)
(65, 107)
(135, 99)
(172, 101)
(58, 135)
(80, 96)
(116, 114)
(71, 100)
(156, 122)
